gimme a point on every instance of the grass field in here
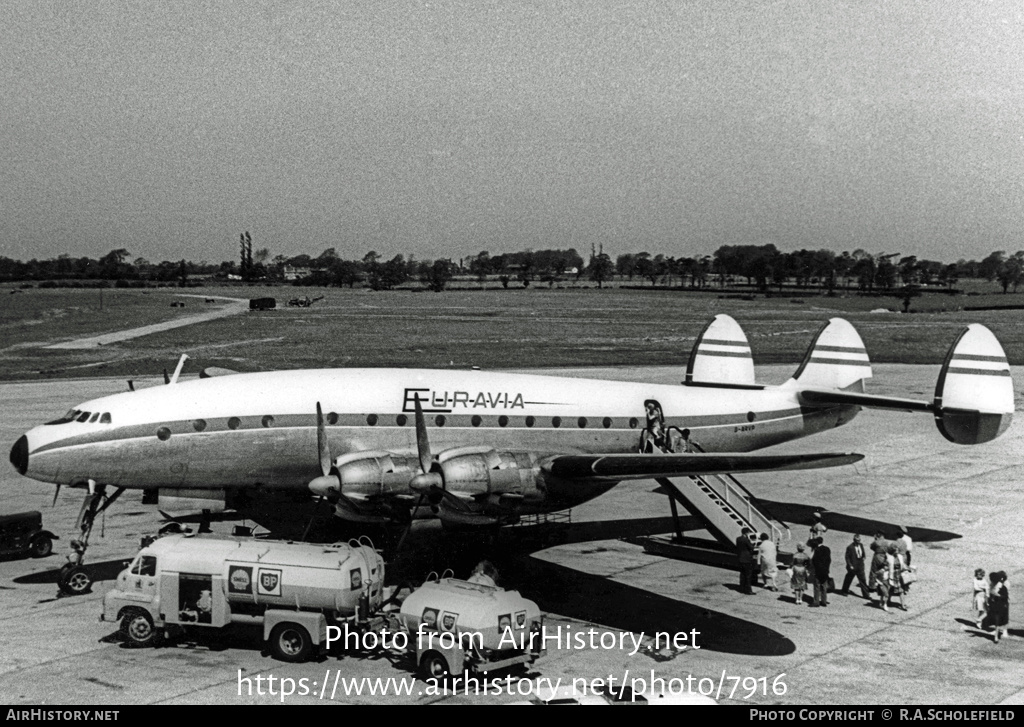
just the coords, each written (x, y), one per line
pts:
(534, 327)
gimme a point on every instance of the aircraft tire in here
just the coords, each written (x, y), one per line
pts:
(434, 666)
(74, 580)
(41, 546)
(138, 630)
(290, 642)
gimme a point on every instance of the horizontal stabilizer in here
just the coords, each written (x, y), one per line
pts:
(617, 467)
(721, 355)
(974, 393)
(826, 397)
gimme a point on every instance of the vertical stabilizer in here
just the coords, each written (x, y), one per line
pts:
(836, 359)
(721, 355)
(974, 393)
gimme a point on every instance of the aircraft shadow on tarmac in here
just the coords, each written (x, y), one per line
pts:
(584, 596)
(104, 571)
(797, 514)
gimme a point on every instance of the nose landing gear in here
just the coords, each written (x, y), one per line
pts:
(74, 579)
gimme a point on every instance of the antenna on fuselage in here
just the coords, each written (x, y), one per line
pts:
(177, 370)
(131, 385)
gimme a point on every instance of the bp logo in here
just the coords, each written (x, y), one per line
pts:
(269, 582)
(448, 621)
(240, 579)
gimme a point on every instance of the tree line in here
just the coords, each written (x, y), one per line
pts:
(761, 267)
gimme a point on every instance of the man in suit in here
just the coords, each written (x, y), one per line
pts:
(821, 563)
(745, 553)
(855, 556)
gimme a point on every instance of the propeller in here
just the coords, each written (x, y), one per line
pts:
(430, 483)
(56, 493)
(328, 483)
(427, 482)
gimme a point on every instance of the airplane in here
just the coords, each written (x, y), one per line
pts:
(481, 448)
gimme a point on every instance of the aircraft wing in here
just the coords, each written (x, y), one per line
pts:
(619, 467)
(819, 397)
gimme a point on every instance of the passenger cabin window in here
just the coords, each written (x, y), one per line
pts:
(94, 417)
(105, 419)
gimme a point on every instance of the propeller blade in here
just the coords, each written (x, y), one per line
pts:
(55, 494)
(422, 443)
(167, 378)
(321, 442)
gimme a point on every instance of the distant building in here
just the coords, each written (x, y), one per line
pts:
(294, 273)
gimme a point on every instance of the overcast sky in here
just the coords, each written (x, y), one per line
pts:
(440, 129)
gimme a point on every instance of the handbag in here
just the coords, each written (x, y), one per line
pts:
(908, 576)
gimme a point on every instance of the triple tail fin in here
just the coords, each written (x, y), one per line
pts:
(974, 393)
(721, 356)
(836, 359)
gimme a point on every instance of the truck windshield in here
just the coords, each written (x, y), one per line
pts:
(144, 565)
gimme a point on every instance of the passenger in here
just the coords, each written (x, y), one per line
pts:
(980, 597)
(821, 564)
(745, 555)
(998, 604)
(798, 573)
(906, 544)
(485, 574)
(855, 567)
(818, 528)
(894, 558)
(880, 571)
(768, 555)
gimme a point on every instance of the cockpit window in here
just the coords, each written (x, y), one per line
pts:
(94, 417)
(84, 416)
(69, 417)
(105, 419)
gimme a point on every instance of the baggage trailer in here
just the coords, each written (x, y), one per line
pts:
(294, 590)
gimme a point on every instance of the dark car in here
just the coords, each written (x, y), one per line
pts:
(22, 534)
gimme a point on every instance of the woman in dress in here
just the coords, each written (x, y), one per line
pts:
(798, 578)
(998, 604)
(980, 597)
(896, 568)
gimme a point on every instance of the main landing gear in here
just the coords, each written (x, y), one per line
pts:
(74, 579)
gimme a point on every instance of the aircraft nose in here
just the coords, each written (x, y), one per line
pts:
(19, 455)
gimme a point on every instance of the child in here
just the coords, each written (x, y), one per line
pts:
(980, 596)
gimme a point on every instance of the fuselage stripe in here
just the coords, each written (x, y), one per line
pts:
(253, 423)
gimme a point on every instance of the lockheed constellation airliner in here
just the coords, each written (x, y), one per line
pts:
(484, 448)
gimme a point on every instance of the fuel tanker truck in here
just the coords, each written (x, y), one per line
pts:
(294, 590)
(453, 626)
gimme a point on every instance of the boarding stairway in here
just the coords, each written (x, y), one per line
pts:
(724, 507)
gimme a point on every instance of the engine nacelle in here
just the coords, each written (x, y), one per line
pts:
(504, 477)
(376, 473)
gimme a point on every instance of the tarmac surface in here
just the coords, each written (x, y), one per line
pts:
(962, 505)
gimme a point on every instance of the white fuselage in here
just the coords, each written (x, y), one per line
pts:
(247, 430)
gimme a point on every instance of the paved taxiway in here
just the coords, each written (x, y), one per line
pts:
(963, 506)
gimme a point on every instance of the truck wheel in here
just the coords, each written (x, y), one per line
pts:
(74, 581)
(137, 628)
(433, 666)
(290, 642)
(42, 546)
